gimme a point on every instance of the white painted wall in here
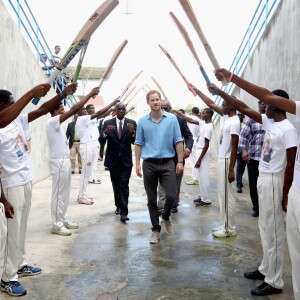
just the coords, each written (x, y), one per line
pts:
(19, 72)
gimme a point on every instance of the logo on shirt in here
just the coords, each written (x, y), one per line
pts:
(267, 150)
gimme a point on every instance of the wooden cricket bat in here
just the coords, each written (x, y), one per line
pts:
(130, 83)
(190, 45)
(160, 88)
(80, 60)
(129, 93)
(112, 62)
(177, 68)
(134, 95)
(81, 38)
(191, 15)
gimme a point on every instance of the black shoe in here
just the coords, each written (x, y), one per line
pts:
(265, 289)
(106, 169)
(124, 218)
(255, 213)
(256, 275)
(118, 211)
(239, 190)
(174, 210)
(79, 172)
(197, 200)
(73, 172)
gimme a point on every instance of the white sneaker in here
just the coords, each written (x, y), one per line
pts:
(222, 233)
(71, 225)
(192, 182)
(154, 237)
(217, 228)
(61, 231)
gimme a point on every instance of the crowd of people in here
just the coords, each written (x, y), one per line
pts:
(266, 142)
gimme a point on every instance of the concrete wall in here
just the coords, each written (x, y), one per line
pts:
(275, 63)
(19, 72)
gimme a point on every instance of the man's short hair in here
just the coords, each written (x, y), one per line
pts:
(195, 110)
(153, 92)
(89, 105)
(281, 93)
(55, 108)
(182, 110)
(167, 102)
(56, 46)
(209, 111)
(5, 96)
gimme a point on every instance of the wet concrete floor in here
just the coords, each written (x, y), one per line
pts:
(106, 259)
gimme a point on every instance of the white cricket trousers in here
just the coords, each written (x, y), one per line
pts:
(271, 227)
(93, 175)
(193, 159)
(293, 236)
(87, 157)
(14, 257)
(3, 234)
(60, 169)
(226, 195)
(203, 175)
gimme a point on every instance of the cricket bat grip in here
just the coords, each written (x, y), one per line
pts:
(208, 82)
(190, 87)
(54, 74)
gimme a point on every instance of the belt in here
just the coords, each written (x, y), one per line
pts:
(159, 160)
(77, 141)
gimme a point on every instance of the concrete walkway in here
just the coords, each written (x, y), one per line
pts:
(106, 259)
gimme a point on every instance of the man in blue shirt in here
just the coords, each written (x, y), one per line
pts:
(157, 133)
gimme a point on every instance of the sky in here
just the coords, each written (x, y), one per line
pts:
(145, 24)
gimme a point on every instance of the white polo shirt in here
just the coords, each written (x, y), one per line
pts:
(86, 129)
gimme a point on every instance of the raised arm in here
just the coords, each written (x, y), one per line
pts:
(52, 103)
(74, 109)
(101, 112)
(187, 118)
(237, 104)
(9, 114)
(258, 92)
(209, 102)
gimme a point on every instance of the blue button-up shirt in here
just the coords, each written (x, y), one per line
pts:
(158, 139)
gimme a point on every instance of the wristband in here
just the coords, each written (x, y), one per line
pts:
(230, 78)
(180, 162)
(62, 95)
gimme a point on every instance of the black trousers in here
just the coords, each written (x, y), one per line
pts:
(120, 176)
(253, 173)
(240, 168)
(164, 172)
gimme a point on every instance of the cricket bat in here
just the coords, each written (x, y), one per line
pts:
(191, 15)
(80, 60)
(160, 88)
(130, 83)
(177, 68)
(112, 62)
(82, 37)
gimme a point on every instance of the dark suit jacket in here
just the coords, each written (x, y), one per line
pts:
(118, 147)
(70, 133)
(186, 134)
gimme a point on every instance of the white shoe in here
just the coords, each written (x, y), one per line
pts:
(168, 225)
(61, 231)
(192, 182)
(217, 228)
(224, 233)
(71, 225)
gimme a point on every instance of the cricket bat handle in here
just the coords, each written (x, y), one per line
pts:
(54, 74)
(190, 87)
(208, 82)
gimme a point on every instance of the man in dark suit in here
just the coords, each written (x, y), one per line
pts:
(188, 142)
(120, 134)
(74, 143)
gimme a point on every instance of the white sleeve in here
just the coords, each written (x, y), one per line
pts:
(265, 121)
(54, 123)
(290, 138)
(297, 117)
(208, 132)
(235, 127)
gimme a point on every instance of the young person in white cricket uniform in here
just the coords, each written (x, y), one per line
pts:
(60, 164)
(290, 199)
(85, 127)
(17, 186)
(202, 153)
(7, 115)
(229, 138)
(90, 109)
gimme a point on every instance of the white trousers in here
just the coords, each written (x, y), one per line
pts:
(3, 234)
(87, 157)
(60, 169)
(14, 257)
(203, 175)
(193, 159)
(271, 227)
(226, 195)
(293, 236)
(93, 175)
